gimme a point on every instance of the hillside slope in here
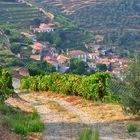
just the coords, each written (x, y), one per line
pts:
(123, 14)
(17, 15)
(68, 6)
(118, 20)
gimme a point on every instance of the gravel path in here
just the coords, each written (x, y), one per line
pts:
(57, 124)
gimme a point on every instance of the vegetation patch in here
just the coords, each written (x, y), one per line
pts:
(95, 87)
(89, 134)
(132, 127)
(21, 122)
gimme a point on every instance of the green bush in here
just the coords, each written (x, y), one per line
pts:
(36, 127)
(89, 134)
(6, 88)
(132, 127)
(20, 128)
(94, 87)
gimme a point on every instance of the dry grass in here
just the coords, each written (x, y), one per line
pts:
(53, 105)
(103, 112)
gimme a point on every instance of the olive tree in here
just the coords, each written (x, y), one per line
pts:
(131, 98)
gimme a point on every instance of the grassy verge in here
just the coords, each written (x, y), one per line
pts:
(20, 122)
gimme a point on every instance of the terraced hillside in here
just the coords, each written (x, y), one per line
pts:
(67, 6)
(114, 14)
(118, 20)
(17, 15)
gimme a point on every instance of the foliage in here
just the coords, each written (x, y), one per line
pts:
(6, 88)
(77, 67)
(94, 87)
(132, 127)
(38, 68)
(89, 134)
(21, 122)
(131, 98)
(102, 67)
(113, 18)
(15, 48)
(52, 37)
(17, 16)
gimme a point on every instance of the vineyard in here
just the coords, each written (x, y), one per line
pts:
(17, 15)
(68, 6)
(95, 87)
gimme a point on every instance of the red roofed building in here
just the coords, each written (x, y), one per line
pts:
(44, 28)
(35, 57)
(28, 35)
(22, 71)
(62, 59)
(52, 62)
(78, 54)
(37, 46)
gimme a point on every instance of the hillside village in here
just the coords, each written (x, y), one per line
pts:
(69, 69)
(98, 54)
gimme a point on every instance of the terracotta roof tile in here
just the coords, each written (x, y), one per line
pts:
(76, 52)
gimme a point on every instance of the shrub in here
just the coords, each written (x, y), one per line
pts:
(36, 127)
(132, 127)
(20, 128)
(89, 134)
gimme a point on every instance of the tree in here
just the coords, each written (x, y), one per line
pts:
(131, 99)
(41, 68)
(15, 48)
(102, 67)
(77, 67)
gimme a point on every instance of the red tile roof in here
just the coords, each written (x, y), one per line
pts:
(26, 34)
(76, 52)
(62, 58)
(95, 54)
(37, 46)
(106, 63)
(43, 27)
(104, 59)
(52, 62)
(47, 58)
(22, 71)
(36, 57)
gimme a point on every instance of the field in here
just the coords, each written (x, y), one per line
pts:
(17, 15)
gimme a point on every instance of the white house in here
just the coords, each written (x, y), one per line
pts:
(43, 28)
